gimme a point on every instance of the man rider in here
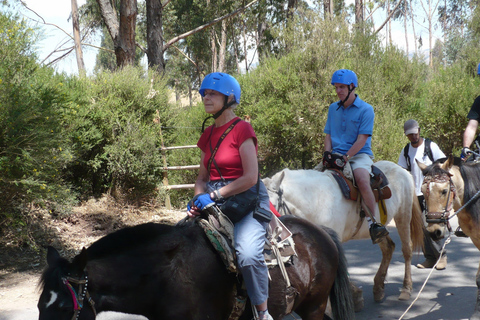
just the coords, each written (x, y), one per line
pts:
(348, 132)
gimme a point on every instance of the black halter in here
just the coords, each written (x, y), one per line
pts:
(79, 296)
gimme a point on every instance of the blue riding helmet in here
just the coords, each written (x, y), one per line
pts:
(345, 76)
(223, 83)
(478, 69)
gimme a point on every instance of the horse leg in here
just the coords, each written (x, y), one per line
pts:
(387, 246)
(357, 294)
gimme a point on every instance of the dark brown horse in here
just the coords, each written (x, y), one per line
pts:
(173, 272)
(447, 187)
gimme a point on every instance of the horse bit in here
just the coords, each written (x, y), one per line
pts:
(440, 217)
(77, 298)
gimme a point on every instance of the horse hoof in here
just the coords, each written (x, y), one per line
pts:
(358, 304)
(404, 295)
(379, 296)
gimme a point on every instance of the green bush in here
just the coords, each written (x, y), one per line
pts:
(33, 151)
(113, 126)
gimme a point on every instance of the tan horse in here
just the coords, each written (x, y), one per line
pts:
(447, 187)
(315, 196)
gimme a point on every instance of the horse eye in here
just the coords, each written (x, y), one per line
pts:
(444, 191)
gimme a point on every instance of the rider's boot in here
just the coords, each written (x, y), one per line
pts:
(377, 230)
(459, 233)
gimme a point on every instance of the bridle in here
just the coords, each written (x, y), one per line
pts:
(281, 205)
(79, 297)
(440, 217)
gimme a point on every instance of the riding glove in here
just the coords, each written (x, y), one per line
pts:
(202, 200)
(465, 153)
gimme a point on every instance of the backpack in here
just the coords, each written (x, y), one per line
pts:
(427, 152)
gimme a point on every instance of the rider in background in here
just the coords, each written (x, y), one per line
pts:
(233, 170)
(426, 152)
(471, 129)
(348, 130)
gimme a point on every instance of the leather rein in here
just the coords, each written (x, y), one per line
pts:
(440, 217)
(79, 296)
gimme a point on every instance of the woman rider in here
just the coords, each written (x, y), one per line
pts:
(233, 171)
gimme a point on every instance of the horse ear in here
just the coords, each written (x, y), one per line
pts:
(52, 256)
(80, 261)
(449, 163)
(278, 182)
(421, 165)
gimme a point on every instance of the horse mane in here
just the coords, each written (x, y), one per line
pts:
(113, 243)
(435, 169)
(471, 178)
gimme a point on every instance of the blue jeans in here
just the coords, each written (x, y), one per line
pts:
(249, 237)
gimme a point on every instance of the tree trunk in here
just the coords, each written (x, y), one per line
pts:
(223, 47)
(76, 37)
(125, 44)
(413, 29)
(405, 27)
(358, 13)
(155, 35)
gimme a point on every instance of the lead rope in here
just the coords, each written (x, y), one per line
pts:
(447, 241)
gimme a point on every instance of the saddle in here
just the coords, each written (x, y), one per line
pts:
(378, 183)
(278, 250)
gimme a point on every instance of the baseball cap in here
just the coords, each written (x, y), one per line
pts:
(410, 126)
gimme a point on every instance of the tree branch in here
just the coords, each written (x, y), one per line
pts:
(208, 24)
(389, 16)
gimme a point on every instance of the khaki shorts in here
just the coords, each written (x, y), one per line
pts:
(361, 160)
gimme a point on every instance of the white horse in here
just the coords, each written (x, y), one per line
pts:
(316, 196)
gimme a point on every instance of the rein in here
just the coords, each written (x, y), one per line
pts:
(79, 297)
(282, 205)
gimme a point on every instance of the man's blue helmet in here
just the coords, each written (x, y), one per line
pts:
(478, 69)
(345, 76)
(223, 83)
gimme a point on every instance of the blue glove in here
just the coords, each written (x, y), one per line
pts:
(202, 200)
(189, 205)
(465, 153)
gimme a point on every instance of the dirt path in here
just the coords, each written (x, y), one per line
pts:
(21, 267)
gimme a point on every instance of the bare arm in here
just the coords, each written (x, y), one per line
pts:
(202, 178)
(328, 143)
(469, 134)
(358, 145)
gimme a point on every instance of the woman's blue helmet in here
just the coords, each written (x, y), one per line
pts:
(345, 76)
(223, 83)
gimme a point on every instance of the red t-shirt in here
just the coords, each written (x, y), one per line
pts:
(228, 154)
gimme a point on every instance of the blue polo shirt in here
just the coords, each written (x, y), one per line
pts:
(344, 125)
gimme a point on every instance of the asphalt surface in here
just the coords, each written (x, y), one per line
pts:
(448, 294)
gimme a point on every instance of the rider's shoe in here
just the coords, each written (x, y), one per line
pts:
(377, 232)
(427, 264)
(459, 233)
(442, 263)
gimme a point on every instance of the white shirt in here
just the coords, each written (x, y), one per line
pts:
(418, 153)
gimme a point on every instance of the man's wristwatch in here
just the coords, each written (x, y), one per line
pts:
(347, 156)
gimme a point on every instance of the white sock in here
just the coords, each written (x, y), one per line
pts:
(370, 222)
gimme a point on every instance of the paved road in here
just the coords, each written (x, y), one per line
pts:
(448, 295)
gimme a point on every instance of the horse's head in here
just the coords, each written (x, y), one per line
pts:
(439, 192)
(274, 189)
(64, 288)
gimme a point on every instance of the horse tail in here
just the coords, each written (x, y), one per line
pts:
(416, 225)
(341, 298)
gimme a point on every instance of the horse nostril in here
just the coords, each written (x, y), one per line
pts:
(438, 234)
